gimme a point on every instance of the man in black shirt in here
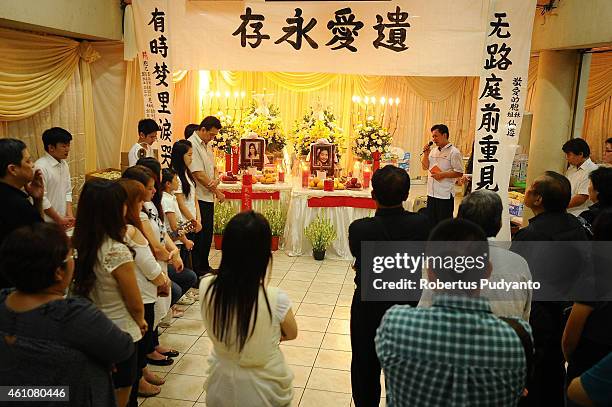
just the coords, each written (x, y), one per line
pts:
(16, 174)
(548, 198)
(391, 223)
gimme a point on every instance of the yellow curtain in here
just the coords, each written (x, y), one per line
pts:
(424, 101)
(186, 101)
(133, 107)
(34, 71)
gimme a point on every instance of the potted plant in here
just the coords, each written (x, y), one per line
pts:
(321, 233)
(223, 213)
(276, 218)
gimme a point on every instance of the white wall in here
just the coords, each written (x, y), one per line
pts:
(573, 24)
(88, 19)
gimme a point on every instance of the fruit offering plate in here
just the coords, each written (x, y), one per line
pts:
(354, 188)
(316, 188)
(229, 182)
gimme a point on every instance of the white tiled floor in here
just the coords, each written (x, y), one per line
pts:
(320, 357)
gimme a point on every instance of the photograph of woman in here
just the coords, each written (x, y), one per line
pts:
(323, 157)
(253, 152)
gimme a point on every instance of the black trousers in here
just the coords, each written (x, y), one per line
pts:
(144, 347)
(439, 209)
(365, 366)
(203, 239)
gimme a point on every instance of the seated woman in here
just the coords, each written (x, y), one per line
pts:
(246, 320)
(48, 340)
(600, 193)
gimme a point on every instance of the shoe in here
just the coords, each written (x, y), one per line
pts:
(194, 294)
(162, 362)
(166, 321)
(164, 324)
(185, 300)
(171, 353)
(155, 392)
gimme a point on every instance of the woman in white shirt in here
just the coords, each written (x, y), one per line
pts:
(245, 320)
(150, 276)
(182, 156)
(165, 251)
(104, 270)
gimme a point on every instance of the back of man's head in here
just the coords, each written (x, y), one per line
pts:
(601, 178)
(209, 122)
(484, 208)
(190, 128)
(11, 152)
(55, 135)
(390, 186)
(555, 191)
(457, 250)
(147, 126)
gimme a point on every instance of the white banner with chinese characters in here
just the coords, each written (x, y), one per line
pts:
(405, 37)
(502, 94)
(152, 20)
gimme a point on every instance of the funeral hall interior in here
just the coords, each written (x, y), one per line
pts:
(215, 203)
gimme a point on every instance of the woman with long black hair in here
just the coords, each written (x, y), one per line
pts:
(104, 269)
(245, 320)
(181, 158)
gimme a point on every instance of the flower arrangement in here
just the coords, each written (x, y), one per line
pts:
(267, 124)
(223, 213)
(228, 136)
(371, 137)
(276, 218)
(314, 126)
(321, 233)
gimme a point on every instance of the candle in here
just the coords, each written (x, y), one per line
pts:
(281, 174)
(367, 176)
(305, 175)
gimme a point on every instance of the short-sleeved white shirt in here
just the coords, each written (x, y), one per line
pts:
(579, 179)
(133, 154)
(58, 185)
(203, 160)
(147, 269)
(106, 294)
(190, 201)
(448, 158)
(170, 204)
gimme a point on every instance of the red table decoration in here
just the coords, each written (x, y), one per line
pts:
(347, 201)
(235, 157)
(376, 158)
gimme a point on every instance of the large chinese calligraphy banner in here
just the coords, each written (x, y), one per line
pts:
(502, 94)
(406, 37)
(154, 56)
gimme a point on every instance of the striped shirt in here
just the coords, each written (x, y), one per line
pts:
(456, 353)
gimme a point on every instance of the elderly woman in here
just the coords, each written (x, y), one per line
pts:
(46, 339)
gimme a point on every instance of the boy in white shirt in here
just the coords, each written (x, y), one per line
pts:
(57, 201)
(147, 135)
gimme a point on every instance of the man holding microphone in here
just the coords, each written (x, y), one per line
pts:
(444, 165)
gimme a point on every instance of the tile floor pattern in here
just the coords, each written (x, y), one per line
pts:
(320, 357)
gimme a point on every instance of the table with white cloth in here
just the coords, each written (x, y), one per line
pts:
(352, 205)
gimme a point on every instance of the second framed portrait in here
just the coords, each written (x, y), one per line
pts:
(322, 157)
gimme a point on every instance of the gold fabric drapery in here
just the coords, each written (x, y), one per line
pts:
(35, 72)
(424, 101)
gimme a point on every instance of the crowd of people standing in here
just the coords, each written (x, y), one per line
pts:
(87, 309)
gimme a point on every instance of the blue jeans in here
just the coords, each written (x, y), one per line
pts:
(181, 282)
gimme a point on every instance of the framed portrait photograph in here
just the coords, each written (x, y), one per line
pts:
(252, 151)
(322, 157)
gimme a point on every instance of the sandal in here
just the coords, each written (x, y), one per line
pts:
(149, 394)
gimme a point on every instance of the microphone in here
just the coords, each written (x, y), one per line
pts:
(429, 144)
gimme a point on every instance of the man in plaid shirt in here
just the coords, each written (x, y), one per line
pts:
(456, 353)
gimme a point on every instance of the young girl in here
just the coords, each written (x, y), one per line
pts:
(246, 320)
(182, 155)
(104, 270)
(172, 213)
(149, 276)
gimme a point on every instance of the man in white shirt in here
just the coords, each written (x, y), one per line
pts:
(57, 201)
(444, 165)
(203, 169)
(484, 208)
(147, 135)
(577, 152)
